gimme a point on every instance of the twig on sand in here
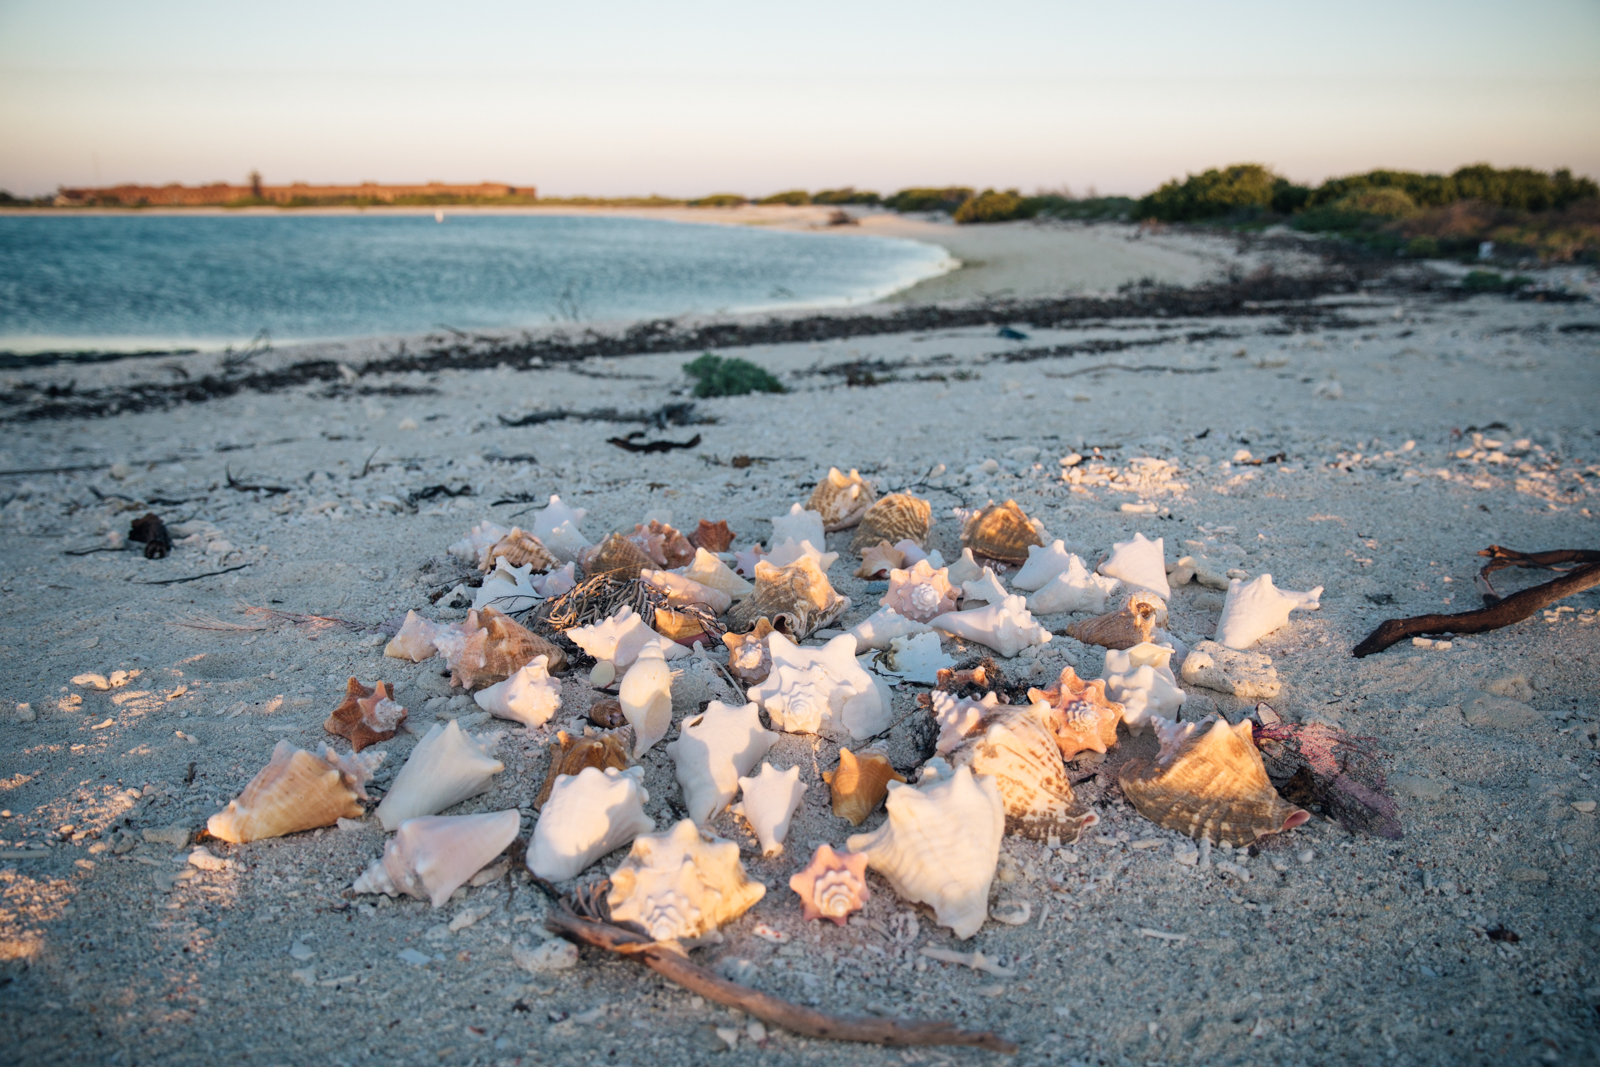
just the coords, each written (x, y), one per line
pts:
(270, 490)
(1136, 370)
(669, 961)
(1582, 567)
(196, 577)
(316, 622)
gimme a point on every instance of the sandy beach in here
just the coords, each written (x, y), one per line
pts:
(1369, 436)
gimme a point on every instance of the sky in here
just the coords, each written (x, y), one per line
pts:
(683, 99)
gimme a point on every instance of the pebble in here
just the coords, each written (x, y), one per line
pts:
(1585, 806)
(1306, 855)
(299, 951)
(552, 955)
(729, 1036)
(204, 859)
(351, 824)
(413, 957)
(467, 917)
(755, 1031)
(1187, 857)
(1011, 912)
(176, 835)
(25, 713)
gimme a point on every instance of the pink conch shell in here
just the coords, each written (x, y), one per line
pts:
(490, 647)
(920, 593)
(1085, 720)
(415, 639)
(833, 885)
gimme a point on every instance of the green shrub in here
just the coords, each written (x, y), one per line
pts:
(1287, 197)
(947, 199)
(1059, 206)
(720, 200)
(716, 376)
(1242, 188)
(990, 206)
(793, 197)
(1491, 281)
(847, 195)
(1422, 247)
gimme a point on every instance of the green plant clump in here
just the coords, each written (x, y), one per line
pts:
(1240, 189)
(721, 200)
(948, 199)
(792, 197)
(848, 195)
(990, 206)
(717, 376)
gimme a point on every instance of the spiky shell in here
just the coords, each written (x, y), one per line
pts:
(842, 499)
(1002, 532)
(569, 755)
(681, 884)
(749, 655)
(491, 647)
(920, 593)
(767, 802)
(797, 598)
(860, 783)
(712, 536)
(712, 751)
(415, 639)
(1256, 608)
(1016, 745)
(879, 560)
(1132, 624)
(296, 791)
(519, 548)
(897, 517)
(832, 885)
(708, 570)
(432, 856)
(1083, 718)
(366, 716)
(1209, 782)
(662, 543)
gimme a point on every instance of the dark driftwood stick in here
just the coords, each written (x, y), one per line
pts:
(674, 965)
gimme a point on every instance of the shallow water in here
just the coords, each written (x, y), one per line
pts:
(126, 282)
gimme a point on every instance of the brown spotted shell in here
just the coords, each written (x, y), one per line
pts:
(1002, 532)
(606, 713)
(1081, 717)
(569, 755)
(496, 647)
(750, 655)
(519, 548)
(1209, 782)
(617, 557)
(663, 544)
(798, 599)
(897, 517)
(1129, 625)
(362, 717)
(1016, 745)
(712, 536)
(860, 783)
(842, 499)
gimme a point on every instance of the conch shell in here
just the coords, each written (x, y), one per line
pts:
(940, 846)
(447, 766)
(1208, 783)
(1006, 627)
(1043, 564)
(879, 629)
(296, 791)
(1139, 564)
(589, 814)
(529, 696)
(712, 536)
(557, 527)
(879, 560)
(1072, 589)
(749, 655)
(682, 590)
(663, 544)
(1002, 532)
(713, 750)
(1132, 624)
(920, 593)
(821, 690)
(1255, 608)
(768, 802)
(860, 783)
(519, 548)
(618, 639)
(708, 570)
(832, 886)
(897, 517)
(797, 598)
(415, 639)
(365, 716)
(1085, 720)
(479, 539)
(490, 647)
(1016, 745)
(842, 500)
(433, 856)
(681, 884)
(959, 717)
(646, 698)
(1140, 678)
(570, 755)
(617, 557)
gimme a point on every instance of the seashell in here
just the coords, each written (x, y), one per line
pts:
(915, 555)
(646, 698)
(1140, 678)
(882, 627)
(1085, 719)
(490, 647)
(530, 696)
(918, 658)
(618, 639)
(1139, 564)
(414, 640)
(860, 782)
(365, 716)
(879, 560)
(1000, 531)
(570, 755)
(821, 690)
(448, 766)
(744, 563)
(1243, 674)
(787, 551)
(682, 591)
(749, 655)
(896, 517)
(1074, 589)
(797, 598)
(985, 589)
(296, 791)
(507, 588)
(432, 856)
(1042, 565)
(768, 803)
(712, 536)
(1208, 782)
(1146, 653)
(1016, 746)
(1255, 608)
(937, 769)
(842, 500)
(554, 583)
(587, 815)
(958, 716)
(556, 527)
(616, 557)
(606, 713)
(940, 846)
(920, 593)
(519, 548)
(663, 544)
(708, 570)
(713, 750)
(799, 524)
(832, 885)
(479, 539)
(681, 884)
(1006, 627)
(1134, 623)
(965, 569)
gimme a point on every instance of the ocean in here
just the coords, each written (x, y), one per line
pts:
(131, 282)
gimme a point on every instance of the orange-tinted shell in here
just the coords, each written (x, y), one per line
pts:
(1002, 532)
(616, 556)
(1129, 625)
(360, 717)
(569, 755)
(832, 885)
(1083, 719)
(879, 560)
(520, 547)
(677, 625)
(750, 655)
(295, 791)
(663, 544)
(797, 599)
(897, 517)
(496, 648)
(860, 783)
(1014, 744)
(842, 499)
(712, 536)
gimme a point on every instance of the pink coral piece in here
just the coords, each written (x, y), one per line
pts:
(833, 885)
(920, 593)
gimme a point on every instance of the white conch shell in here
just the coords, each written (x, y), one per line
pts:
(557, 527)
(798, 525)
(447, 766)
(712, 751)
(1140, 564)
(1016, 746)
(958, 717)
(1005, 627)
(530, 696)
(708, 570)
(588, 815)
(964, 570)
(914, 554)
(1128, 660)
(882, 627)
(296, 791)
(681, 884)
(432, 856)
(1043, 564)
(1074, 589)
(940, 846)
(1255, 608)
(918, 658)
(478, 541)
(682, 590)
(507, 588)
(563, 579)
(788, 550)
(646, 698)
(985, 589)
(920, 592)
(1141, 680)
(619, 638)
(414, 639)
(821, 690)
(768, 803)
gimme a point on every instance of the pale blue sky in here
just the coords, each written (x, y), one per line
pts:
(692, 97)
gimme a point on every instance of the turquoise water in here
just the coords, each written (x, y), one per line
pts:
(129, 282)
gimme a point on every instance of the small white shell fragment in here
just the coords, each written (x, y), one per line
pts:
(1011, 912)
(768, 933)
(552, 955)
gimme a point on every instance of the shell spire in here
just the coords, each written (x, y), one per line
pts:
(895, 518)
(832, 885)
(681, 884)
(798, 599)
(1084, 719)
